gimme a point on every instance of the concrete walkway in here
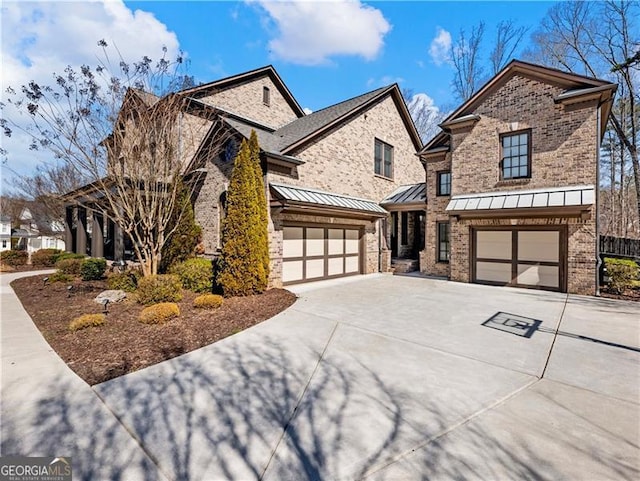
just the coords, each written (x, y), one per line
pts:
(378, 377)
(47, 410)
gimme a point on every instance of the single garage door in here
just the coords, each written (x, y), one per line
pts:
(311, 253)
(520, 257)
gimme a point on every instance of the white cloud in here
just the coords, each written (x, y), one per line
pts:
(307, 110)
(40, 38)
(426, 115)
(384, 81)
(440, 47)
(311, 32)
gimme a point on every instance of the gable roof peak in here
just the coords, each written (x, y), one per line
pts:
(226, 82)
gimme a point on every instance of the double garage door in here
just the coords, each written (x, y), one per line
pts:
(532, 257)
(311, 253)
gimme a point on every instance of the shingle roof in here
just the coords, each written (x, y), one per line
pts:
(407, 194)
(267, 140)
(300, 128)
(328, 199)
(519, 199)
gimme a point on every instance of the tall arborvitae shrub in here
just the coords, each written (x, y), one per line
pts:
(181, 244)
(241, 265)
(261, 204)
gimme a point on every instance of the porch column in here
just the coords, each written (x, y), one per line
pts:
(68, 234)
(97, 235)
(81, 231)
(118, 243)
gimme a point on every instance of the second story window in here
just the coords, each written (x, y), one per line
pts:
(383, 159)
(444, 183)
(266, 96)
(516, 155)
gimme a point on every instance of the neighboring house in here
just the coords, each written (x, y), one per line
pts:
(512, 182)
(37, 232)
(5, 233)
(326, 173)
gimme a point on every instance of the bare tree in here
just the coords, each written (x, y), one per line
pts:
(465, 56)
(508, 38)
(135, 147)
(468, 61)
(599, 39)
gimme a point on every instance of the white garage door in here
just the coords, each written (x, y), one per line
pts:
(519, 257)
(311, 253)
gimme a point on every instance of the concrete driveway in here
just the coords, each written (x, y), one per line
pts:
(378, 377)
(400, 378)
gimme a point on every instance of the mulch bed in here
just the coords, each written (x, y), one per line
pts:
(628, 295)
(123, 345)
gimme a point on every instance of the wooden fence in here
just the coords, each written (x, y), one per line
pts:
(619, 246)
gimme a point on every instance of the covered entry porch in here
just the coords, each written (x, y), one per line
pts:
(405, 227)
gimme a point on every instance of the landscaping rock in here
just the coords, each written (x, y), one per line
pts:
(111, 295)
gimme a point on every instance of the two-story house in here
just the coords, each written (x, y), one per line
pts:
(5, 232)
(512, 182)
(326, 175)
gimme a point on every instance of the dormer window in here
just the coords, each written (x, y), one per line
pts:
(266, 96)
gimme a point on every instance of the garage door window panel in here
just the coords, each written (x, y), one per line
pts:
(539, 246)
(494, 245)
(293, 242)
(537, 275)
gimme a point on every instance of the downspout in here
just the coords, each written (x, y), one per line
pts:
(379, 245)
(598, 259)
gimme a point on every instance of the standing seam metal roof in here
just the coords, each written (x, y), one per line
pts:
(545, 197)
(407, 194)
(312, 196)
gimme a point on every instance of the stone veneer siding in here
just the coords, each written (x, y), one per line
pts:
(246, 100)
(564, 152)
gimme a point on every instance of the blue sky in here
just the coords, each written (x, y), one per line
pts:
(224, 38)
(326, 51)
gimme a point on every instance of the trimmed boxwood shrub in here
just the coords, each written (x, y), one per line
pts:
(159, 288)
(60, 277)
(14, 257)
(195, 274)
(208, 301)
(45, 257)
(622, 273)
(92, 268)
(70, 266)
(87, 320)
(68, 255)
(125, 281)
(159, 313)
